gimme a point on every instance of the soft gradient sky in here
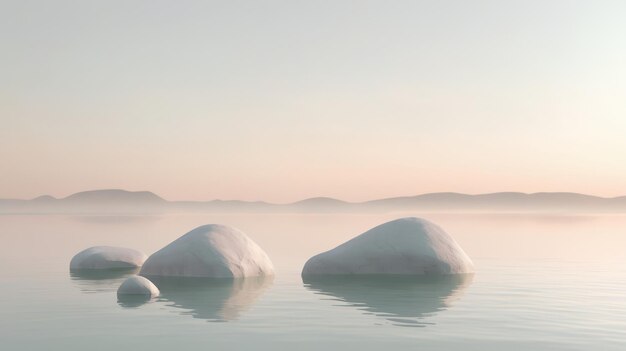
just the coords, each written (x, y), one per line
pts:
(283, 100)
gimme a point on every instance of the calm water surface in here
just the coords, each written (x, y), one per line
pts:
(543, 282)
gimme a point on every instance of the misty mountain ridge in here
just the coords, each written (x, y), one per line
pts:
(114, 195)
(123, 201)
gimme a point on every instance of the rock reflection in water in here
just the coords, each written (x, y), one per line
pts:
(100, 280)
(133, 301)
(215, 300)
(402, 300)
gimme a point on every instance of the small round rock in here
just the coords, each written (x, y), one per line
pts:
(137, 285)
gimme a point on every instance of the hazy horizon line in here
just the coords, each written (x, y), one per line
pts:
(316, 197)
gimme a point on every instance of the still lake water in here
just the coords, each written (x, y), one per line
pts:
(543, 282)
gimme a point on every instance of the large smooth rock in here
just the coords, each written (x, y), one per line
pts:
(107, 257)
(407, 246)
(137, 285)
(212, 251)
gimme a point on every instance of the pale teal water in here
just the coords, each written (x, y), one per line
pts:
(542, 283)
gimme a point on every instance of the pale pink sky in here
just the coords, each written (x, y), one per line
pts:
(289, 100)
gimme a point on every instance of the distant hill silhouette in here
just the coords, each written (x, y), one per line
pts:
(122, 201)
(503, 201)
(320, 204)
(113, 196)
(93, 201)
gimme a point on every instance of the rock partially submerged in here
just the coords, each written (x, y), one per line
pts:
(406, 246)
(137, 285)
(107, 257)
(211, 251)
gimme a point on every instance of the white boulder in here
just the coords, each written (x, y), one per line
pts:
(137, 285)
(107, 257)
(408, 246)
(213, 251)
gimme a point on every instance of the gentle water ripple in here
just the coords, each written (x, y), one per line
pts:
(511, 303)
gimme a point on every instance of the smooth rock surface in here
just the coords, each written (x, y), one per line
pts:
(107, 257)
(137, 285)
(407, 246)
(212, 251)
